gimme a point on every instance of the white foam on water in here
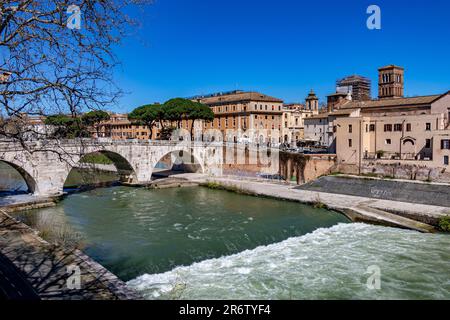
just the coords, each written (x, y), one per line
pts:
(326, 264)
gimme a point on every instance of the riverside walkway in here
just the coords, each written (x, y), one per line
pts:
(34, 269)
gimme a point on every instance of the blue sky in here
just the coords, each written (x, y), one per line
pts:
(282, 48)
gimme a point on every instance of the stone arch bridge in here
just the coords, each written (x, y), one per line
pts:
(45, 165)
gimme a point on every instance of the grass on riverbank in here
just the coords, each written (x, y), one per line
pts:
(96, 158)
(230, 188)
(444, 224)
(54, 232)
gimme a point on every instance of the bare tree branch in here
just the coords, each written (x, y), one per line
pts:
(47, 68)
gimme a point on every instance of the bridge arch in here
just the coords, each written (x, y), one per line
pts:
(26, 176)
(183, 159)
(124, 169)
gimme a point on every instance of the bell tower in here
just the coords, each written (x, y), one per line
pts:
(391, 82)
(312, 102)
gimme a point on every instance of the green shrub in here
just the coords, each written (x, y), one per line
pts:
(230, 188)
(213, 185)
(444, 224)
(318, 204)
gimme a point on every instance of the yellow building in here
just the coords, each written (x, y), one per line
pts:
(244, 116)
(294, 116)
(118, 127)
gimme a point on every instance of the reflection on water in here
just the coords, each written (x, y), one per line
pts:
(11, 182)
(136, 231)
(84, 177)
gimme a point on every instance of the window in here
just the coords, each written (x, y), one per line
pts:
(350, 143)
(387, 127)
(350, 128)
(408, 127)
(428, 127)
(446, 160)
(428, 143)
(398, 127)
(445, 144)
(388, 141)
(372, 128)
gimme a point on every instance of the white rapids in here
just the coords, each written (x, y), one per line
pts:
(326, 264)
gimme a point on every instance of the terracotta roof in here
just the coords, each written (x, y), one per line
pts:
(239, 97)
(337, 94)
(319, 116)
(390, 67)
(343, 112)
(413, 101)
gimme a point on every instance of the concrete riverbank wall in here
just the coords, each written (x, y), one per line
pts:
(411, 192)
(303, 168)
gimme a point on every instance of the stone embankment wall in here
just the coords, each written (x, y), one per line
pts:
(293, 167)
(303, 168)
(395, 170)
(397, 190)
(240, 160)
(49, 271)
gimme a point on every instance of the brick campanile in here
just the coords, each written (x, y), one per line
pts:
(391, 82)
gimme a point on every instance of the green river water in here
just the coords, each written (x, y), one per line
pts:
(197, 243)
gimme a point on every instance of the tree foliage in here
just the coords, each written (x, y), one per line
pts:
(94, 118)
(146, 115)
(66, 127)
(172, 111)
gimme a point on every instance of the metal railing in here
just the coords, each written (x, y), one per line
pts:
(397, 156)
